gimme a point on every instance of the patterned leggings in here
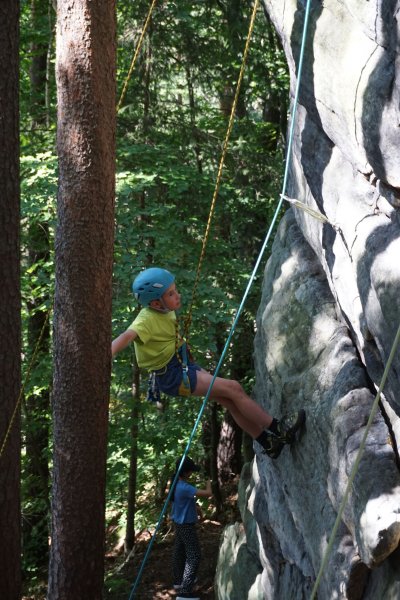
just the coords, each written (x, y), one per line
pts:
(187, 555)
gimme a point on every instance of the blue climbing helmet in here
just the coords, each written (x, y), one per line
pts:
(151, 284)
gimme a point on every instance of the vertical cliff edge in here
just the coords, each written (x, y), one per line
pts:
(328, 316)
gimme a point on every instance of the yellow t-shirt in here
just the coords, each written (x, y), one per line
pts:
(155, 344)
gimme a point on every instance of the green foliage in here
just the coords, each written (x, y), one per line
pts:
(163, 201)
(170, 135)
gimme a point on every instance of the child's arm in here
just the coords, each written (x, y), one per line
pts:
(206, 493)
(122, 341)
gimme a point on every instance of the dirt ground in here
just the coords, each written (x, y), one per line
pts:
(156, 580)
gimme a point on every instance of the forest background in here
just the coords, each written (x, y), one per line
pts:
(170, 132)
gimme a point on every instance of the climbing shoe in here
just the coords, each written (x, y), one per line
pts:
(271, 443)
(288, 426)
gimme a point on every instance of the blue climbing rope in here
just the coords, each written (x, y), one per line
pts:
(242, 303)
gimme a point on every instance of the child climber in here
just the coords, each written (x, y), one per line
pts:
(187, 553)
(160, 349)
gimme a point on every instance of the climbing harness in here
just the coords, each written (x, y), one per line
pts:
(184, 388)
(153, 391)
(356, 465)
(153, 388)
(245, 295)
(182, 354)
(323, 219)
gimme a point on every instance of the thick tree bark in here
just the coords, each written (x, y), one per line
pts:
(85, 74)
(10, 306)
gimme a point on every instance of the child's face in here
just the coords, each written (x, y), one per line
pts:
(171, 298)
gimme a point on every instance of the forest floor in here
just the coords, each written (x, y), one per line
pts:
(156, 579)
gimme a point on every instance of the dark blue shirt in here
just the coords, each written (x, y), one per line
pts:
(184, 505)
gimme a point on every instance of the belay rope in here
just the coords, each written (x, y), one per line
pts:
(245, 295)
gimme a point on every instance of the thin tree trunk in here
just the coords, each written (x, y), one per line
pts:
(49, 54)
(38, 67)
(215, 436)
(235, 10)
(36, 424)
(131, 511)
(85, 72)
(36, 473)
(147, 81)
(192, 106)
(10, 306)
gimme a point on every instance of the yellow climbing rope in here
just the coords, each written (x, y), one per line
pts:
(136, 54)
(188, 319)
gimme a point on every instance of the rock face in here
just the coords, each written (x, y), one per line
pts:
(327, 320)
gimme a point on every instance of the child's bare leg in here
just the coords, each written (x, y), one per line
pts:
(245, 408)
(270, 433)
(247, 426)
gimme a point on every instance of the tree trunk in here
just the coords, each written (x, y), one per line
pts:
(236, 37)
(229, 454)
(38, 69)
(131, 511)
(10, 306)
(215, 436)
(36, 472)
(85, 72)
(193, 125)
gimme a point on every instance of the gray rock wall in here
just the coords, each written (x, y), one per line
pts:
(328, 316)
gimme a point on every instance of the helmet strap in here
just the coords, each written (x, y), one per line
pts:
(163, 308)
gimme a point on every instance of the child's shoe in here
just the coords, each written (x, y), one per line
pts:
(177, 586)
(288, 426)
(272, 444)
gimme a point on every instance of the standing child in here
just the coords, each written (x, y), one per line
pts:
(160, 349)
(187, 553)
